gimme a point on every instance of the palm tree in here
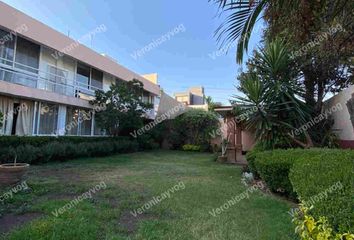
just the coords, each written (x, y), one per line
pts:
(240, 22)
(243, 15)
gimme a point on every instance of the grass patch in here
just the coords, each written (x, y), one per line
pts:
(134, 179)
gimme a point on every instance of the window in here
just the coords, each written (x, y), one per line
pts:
(85, 122)
(58, 77)
(146, 97)
(72, 121)
(7, 45)
(98, 131)
(48, 119)
(97, 79)
(27, 55)
(83, 75)
(78, 122)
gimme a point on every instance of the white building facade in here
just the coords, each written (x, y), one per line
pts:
(48, 79)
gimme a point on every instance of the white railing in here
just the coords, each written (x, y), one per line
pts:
(32, 77)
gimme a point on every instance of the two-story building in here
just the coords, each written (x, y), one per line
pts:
(47, 79)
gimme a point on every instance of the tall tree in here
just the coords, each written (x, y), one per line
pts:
(325, 65)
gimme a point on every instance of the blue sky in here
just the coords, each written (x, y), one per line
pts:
(187, 59)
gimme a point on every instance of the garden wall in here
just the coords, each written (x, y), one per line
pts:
(344, 119)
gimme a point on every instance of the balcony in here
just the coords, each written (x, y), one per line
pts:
(54, 80)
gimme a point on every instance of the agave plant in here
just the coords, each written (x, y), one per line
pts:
(271, 103)
(224, 145)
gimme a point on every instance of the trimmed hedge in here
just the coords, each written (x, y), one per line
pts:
(274, 167)
(66, 149)
(327, 183)
(305, 174)
(37, 141)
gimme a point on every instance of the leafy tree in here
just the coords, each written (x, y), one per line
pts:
(194, 127)
(125, 109)
(326, 66)
(321, 40)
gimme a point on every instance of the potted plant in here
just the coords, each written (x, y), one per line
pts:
(11, 173)
(224, 144)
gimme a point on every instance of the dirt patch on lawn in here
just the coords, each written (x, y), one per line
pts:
(130, 222)
(60, 196)
(11, 221)
(60, 174)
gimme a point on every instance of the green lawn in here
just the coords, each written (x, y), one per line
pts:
(133, 180)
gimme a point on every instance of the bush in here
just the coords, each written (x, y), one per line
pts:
(189, 147)
(274, 167)
(27, 153)
(101, 149)
(314, 175)
(251, 159)
(7, 155)
(63, 151)
(309, 228)
(126, 146)
(38, 141)
(147, 142)
(194, 127)
(326, 182)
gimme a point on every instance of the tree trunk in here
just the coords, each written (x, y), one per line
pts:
(309, 83)
(308, 144)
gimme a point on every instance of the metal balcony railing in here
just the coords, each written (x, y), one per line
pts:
(24, 75)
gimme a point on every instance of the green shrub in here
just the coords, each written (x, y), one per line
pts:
(326, 182)
(308, 228)
(7, 155)
(147, 142)
(54, 151)
(251, 159)
(126, 146)
(312, 175)
(189, 147)
(274, 167)
(195, 127)
(27, 153)
(37, 141)
(101, 149)
(63, 151)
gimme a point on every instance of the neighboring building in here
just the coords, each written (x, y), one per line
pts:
(341, 109)
(152, 77)
(170, 107)
(55, 88)
(194, 97)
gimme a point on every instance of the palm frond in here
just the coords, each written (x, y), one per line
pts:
(239, 23)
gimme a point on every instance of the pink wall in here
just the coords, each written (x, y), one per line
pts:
(343, 125)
